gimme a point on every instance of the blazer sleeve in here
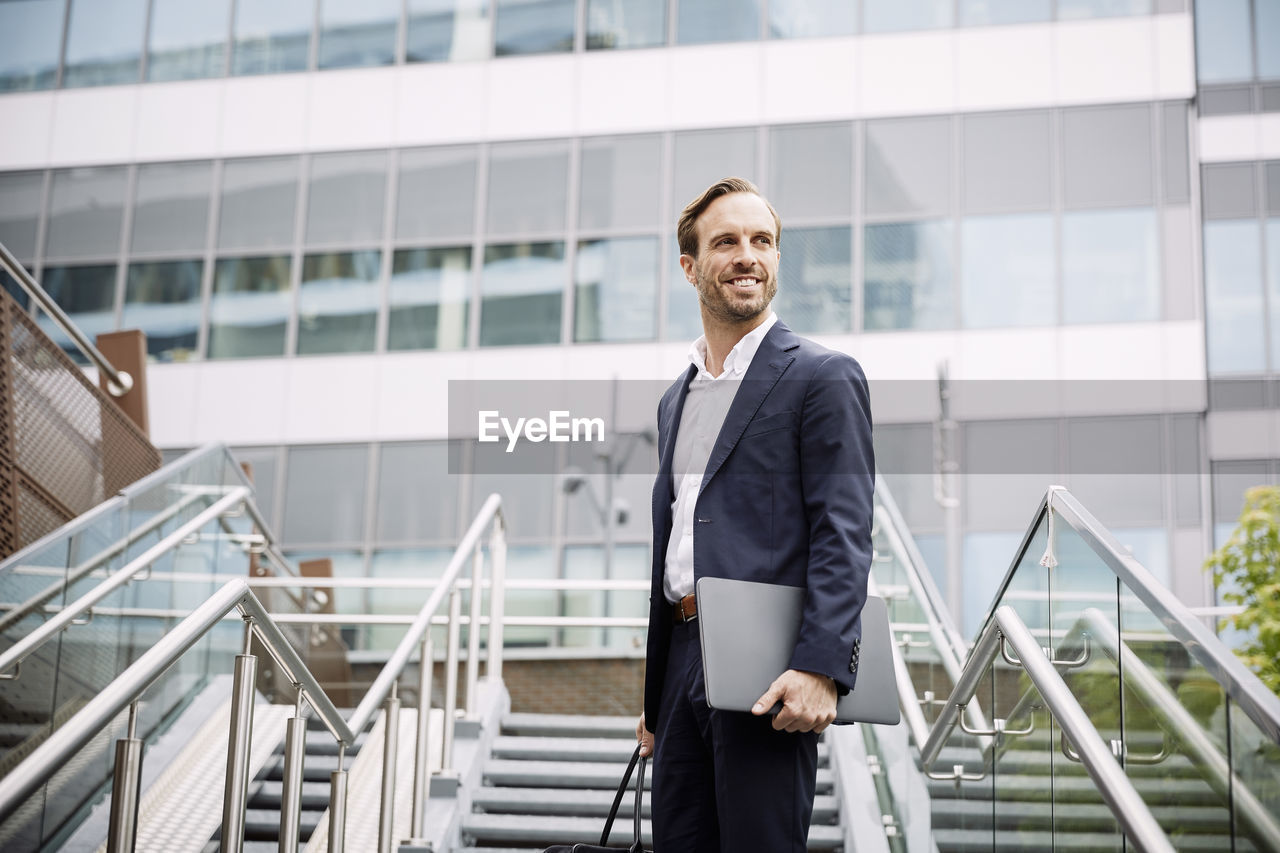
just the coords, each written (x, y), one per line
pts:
(837, 472)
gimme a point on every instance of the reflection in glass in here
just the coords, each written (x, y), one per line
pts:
(188, 40)
(616, 290)
(88, 295)
(719, 20)
(338, 302)
(1272, 228)
(908, 166)
(883, 16)
(982, 13)
(272, 36)
(530, 562)
(618, 186)
(259, 198)
(324, 494)
(528, 187)
(15, 290)
(533, 26)
(104, 42)
(1073, 9)
(437, 194)
(684, 316)
(21, 195)
(414, 564)
(1110, 267)
(1107, 154)
(587, 562)
(249, 308)
(986, 558)
(345, 199)
(522, 289)
(1223, 51)
(1006, 272)
(86, 211)
(1233, 297)
(811, 170)
(30, 62)
(626, 23)
(1266, 23)
(1006, 163)
(417, 496)
(705, 156)
(815, 280)
(430, 295)
(163, 300)
(447, 30)
(791, 19)
(907, 278)
(171, 206)
(358, 32)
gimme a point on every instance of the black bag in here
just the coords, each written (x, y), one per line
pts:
(613, 812)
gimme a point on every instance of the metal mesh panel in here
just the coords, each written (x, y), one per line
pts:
(64, 444)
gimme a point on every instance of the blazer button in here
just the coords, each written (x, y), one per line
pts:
(853, 667)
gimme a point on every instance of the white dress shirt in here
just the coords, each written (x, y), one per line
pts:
(705, 406)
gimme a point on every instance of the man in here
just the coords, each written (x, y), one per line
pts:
(765, 474)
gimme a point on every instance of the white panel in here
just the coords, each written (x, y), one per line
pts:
(32, 113)
(240, 402)
(264, 115)
(413, 394)
(1243, 435)
(329, 398)
(898, 355)
(1104, 61)
(94, 125)
(1229, 138)
(179, 120)
(810, 79)
(173, 394)
(440, 102)
(1175, 56)
(1090, 352)
(1268, 136)
(1182, 348)
(1008, 354)
(985, 57)
(622, 91)
(531, 97)
(716, 85)
(351, 109)
(907, 73)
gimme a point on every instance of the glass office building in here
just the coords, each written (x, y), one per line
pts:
(321, 212)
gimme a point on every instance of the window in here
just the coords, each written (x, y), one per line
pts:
(534, 26)
(684, 318)
(1234, 297)
(907, 277)
(984, 13)
(1107, 156)
(882, 16)
(325, 494)
(705, 156)
(1229, 191)
(1006, 162)
(616, 290)
(522, 290)
(358, 32)
(626, 23)
(104, 42)
(908, 166)
(1177, 163)
(815, 280)
(812, 18)
(30, 62)
(272, 36)
(188, 40)
(528, 187)
(347, 198)
(1006, 272)
(1110, 266)
(619, 182)
(86, 212)
(417, 496)
(1272, 231)
(88, 295)
(447, 30)
(338, 302)
(163, 300)
(717, 20)
(259, 198)
(811, 170)
(250, 306)
(1072, 9)
(171, 207)
(437, 194)
(21, 197)
(430, 294)
(1266, 37)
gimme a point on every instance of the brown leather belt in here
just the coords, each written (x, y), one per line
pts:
(686, 609)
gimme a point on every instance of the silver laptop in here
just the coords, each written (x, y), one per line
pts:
(749, 632)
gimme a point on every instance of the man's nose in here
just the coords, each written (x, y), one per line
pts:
(742, 255)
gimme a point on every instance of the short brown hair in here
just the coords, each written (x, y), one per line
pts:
(686, 231)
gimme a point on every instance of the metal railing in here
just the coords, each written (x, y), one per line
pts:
(125, 690)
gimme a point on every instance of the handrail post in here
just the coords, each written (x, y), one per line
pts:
(497, 597)
(240, 735)
(390, 746)
(421, 773)
(126, 783)
(295, 748)
(451, 678)
(473, 632)
(338, 804)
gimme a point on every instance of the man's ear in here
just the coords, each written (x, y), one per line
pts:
(689, 265)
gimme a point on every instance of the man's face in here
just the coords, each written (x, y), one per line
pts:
(736, 270)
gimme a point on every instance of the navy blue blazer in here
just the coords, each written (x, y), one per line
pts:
(786, 499)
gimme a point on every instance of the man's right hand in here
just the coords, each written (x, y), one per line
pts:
(644, 737)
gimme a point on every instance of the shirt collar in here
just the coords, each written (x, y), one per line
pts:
(739, 358)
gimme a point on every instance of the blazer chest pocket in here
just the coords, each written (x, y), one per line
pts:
(770, 424)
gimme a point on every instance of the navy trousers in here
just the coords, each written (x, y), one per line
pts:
(725, 780)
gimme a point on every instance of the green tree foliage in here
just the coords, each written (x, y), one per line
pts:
(1249, 563)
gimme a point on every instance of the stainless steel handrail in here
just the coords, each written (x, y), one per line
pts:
(119, 382)
(1135, 819)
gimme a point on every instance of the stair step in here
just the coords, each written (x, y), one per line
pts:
(1072, 789)
(264, 824)
(592, 803)
(537, 748)
(1073, 817)
(579, 774)
(1019, 841)
(541, 829)
(568, 725)
(270, 793)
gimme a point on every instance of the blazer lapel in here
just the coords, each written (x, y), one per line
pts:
(668, 429)
(771, 360)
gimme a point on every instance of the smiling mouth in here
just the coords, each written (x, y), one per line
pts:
(744, 281)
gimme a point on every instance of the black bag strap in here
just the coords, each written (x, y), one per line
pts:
(622, 789)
